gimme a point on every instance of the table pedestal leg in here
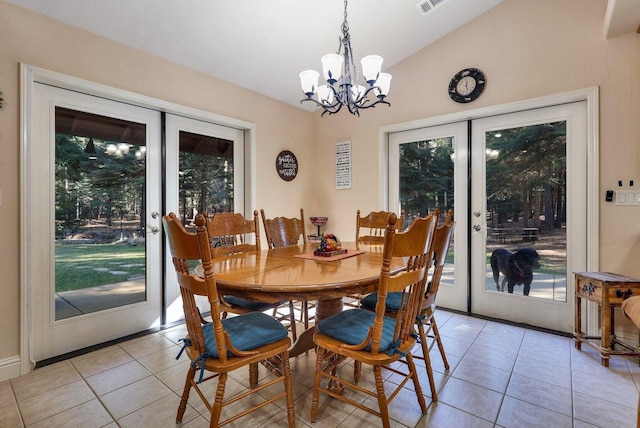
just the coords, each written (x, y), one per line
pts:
(324, 309)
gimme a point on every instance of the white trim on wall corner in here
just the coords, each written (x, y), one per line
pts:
(9, 368)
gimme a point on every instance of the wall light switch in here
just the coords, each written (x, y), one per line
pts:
(628, 197)
(622, 198)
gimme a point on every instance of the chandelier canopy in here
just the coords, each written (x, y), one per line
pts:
(341, 76)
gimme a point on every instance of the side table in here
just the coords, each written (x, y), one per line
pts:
(608, 290)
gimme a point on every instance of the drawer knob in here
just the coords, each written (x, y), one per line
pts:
(588, 288)
(624, 294)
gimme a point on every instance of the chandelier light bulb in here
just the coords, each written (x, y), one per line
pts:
(384, 84)
(325, 94)
(357, 92)
(309, 82)
(371, 66)
(332, 67)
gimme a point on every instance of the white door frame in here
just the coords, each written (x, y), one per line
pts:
(590, 95)
(30, 74)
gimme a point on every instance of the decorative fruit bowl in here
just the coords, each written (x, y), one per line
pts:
(329, 246)
(319, 221)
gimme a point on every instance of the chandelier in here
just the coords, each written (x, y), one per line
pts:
(341, 76)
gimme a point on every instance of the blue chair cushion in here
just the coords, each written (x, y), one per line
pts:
(393, 301)
(252, 305)
(351, 326)
(247, 332)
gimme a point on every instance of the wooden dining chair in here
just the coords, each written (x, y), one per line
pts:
(284, 232)
(372, 338)
(232, 233)
(287, 232)
(439, 247)
(222, 345)
(373, 226)
(431, 335)
(370, 231)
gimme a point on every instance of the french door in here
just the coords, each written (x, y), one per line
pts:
(529, 214)
(519, 183)
(427, 170)
(93, 190)
(204, 173)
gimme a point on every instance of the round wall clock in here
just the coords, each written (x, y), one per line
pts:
(287, 165)
(467, 85)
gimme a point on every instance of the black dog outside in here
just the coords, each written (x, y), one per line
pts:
(517, 268)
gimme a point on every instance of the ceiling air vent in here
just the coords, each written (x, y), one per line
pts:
(427, 5)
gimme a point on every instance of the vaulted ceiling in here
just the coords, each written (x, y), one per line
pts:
(263, 45)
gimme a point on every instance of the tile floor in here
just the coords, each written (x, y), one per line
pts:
(500, 376)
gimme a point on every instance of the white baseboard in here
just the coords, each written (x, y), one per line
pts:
(9, 368)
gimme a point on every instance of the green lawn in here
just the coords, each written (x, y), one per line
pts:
(89, 265)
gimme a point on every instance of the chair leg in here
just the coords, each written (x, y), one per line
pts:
(436, 334)
(357, 371)
(382, 398)
(185, 394)
(416, 382)
(216, 409)
(305, 314)
(317, 377)
(292, 320)
(253, 375)
(288, 389)
(427, 360)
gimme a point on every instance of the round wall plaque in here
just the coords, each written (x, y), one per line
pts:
(287, 165)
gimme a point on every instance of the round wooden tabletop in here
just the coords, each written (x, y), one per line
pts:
(281, 273)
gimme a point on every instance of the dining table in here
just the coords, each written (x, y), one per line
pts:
(296, 273)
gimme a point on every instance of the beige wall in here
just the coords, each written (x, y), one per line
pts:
(526, 48)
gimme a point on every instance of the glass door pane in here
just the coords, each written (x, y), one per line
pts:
(427, 171)
(205, 175)
(526, 194)
(426, 177)
(100, 205)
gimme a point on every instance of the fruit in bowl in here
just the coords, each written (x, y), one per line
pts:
(329, 245)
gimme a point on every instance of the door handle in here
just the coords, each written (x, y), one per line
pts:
(477, 227)
(155, 214)
(155, 230)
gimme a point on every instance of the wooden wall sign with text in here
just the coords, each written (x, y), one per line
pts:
(287, 165)
(343, 165)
